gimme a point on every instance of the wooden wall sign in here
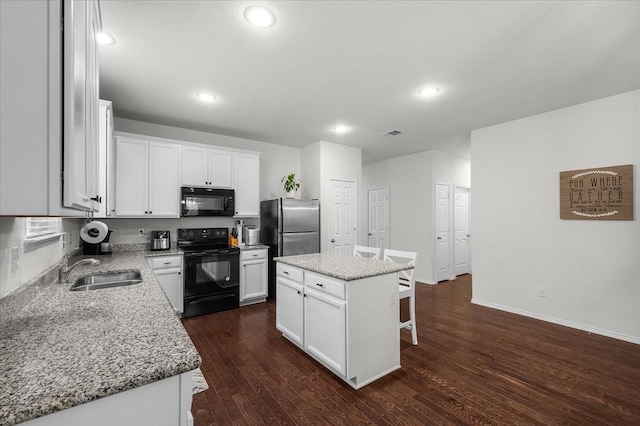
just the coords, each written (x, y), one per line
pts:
(603, 193)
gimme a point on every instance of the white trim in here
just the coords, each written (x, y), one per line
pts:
(570, 324)
(425, 281)
(29, 243)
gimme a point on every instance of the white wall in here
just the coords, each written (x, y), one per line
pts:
(34, 262)
(411, 182)
(321, 162)
(590, 268)
(276, 161)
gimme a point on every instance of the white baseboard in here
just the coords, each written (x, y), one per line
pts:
(424, 281)
(571, 324)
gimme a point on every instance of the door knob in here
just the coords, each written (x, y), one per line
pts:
(333, 241)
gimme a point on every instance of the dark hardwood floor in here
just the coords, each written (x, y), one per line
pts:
(473, 365)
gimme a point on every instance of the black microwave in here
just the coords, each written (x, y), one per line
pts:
(206, 202)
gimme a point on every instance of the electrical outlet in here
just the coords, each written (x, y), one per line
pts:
(141, 232)
(542, 292)
(15, 259)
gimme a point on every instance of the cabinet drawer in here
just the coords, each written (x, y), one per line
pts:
(253, 254)
(164, 262)
(290, 272)
(324, 284)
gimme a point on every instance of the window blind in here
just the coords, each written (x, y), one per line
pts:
(40, 226)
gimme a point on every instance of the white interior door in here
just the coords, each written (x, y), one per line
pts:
(379, 218)
(442, 232)
(343, 202)
(461, 230)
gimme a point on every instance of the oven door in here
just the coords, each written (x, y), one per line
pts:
(211, 273)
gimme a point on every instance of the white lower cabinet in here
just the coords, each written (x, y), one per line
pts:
(168, 271)
(350, 327)
(325, 328)
(289, 309)
(166, 402)
(253, 276)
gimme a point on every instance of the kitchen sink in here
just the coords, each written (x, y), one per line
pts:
(107, 280)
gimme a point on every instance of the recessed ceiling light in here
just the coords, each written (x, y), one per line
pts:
(205, 97)
(341, 128)
(105, 38)
(429, 92)
(259, 16)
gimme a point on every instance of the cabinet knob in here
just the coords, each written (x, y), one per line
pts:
(179, 273)
(320, 284)
(150, 212)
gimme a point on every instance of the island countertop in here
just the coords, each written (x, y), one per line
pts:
(347, 268)
(61, 348)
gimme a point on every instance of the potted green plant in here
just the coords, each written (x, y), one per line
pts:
(291, 184)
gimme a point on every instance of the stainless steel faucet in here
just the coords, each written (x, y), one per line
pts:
(64, 270)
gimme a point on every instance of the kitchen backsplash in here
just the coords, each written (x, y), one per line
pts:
(125, 231)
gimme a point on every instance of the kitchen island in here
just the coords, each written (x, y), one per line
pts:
(109, 356)
(343, 311)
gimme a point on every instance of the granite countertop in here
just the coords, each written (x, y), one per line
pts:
(59, 348)
(347, 268)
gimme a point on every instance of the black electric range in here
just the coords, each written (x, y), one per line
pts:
(211, 271)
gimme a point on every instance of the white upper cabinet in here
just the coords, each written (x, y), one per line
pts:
(32, 122)
(147, 182)
(106, 162)
(81, 105)
(247, 184)
(149, 172)
(164, 186)
(206, 167)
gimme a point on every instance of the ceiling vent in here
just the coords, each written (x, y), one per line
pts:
(392, 133)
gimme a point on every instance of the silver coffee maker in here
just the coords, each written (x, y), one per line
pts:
(160, 240)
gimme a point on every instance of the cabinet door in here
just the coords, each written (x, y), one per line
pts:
(247, 184)
(163, 179)
(220, 167)
(195, 164)
(253, 279)
(289, 309)
(131, 177)
(80, 139)
(171, 282)
(106, 170)
(325, 329)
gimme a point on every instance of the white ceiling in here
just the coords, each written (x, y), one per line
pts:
(361, 63)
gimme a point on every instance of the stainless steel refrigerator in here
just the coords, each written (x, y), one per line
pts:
(289, 227)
